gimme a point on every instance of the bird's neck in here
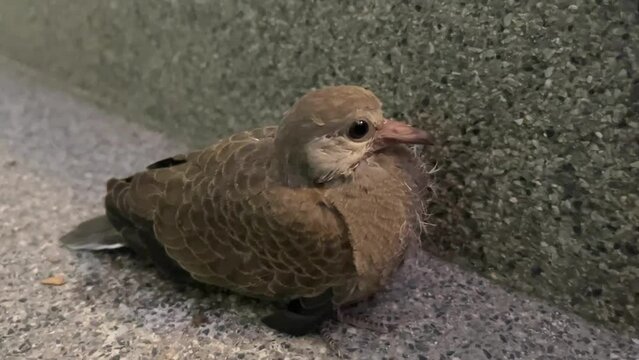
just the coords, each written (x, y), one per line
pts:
(297, 173)
(293, 170)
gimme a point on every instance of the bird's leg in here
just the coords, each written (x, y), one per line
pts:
(302, 315)
(362, 321)
(327, 336)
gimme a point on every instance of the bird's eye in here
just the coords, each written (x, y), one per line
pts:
(358, 129)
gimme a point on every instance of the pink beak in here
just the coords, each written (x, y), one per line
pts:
(393, 131)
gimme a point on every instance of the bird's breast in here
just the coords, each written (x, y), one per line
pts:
(376, 206)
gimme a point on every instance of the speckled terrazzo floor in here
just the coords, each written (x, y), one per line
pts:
(56, 152)
(534, 106)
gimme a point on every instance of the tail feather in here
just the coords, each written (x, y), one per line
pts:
(93, 234)
(114, 230)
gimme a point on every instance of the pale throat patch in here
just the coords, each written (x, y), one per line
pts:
(329, 157)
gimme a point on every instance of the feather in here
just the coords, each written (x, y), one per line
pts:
(94, 234)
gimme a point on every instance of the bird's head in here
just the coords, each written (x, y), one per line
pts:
(328, 132)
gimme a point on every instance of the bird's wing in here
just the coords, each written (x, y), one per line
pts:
(221, 217)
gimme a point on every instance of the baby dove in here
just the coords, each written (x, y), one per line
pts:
(317, 212)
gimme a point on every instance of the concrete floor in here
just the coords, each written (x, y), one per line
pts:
(56, 153)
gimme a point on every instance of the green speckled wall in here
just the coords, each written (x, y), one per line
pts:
(535, 105)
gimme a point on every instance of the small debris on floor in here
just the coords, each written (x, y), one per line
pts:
(199, 319)
(55, 280)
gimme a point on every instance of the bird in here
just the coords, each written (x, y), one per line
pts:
(316, 212)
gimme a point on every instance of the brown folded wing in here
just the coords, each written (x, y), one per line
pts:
(220, 214)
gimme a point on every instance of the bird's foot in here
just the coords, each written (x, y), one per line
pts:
(362, 321)
(328, 337)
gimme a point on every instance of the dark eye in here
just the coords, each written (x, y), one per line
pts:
(358, 129)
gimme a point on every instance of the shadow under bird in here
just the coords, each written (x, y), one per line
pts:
(317, 212)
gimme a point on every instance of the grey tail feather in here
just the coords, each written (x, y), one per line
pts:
(93, 234)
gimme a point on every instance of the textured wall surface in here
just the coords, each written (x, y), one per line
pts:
(535, 105)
